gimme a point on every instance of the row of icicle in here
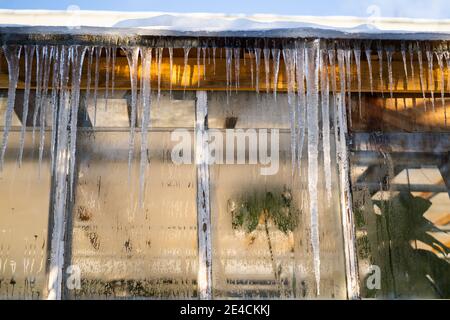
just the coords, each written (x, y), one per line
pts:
(309, 65)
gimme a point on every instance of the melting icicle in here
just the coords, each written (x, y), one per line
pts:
(132, 57)
(289, 62)
(37, 100)
(266, 52)
(430, 55)
(204, 62)
(76, 57)
(324, 84)
(98, 52)
(113, 70)
(170, 70)
(257, 64)
(228, 59)
(405, 67)
(276, 68)
(88, 80)
(159, 55)
(422, 84)
(440, 59)
(214, 60)
(12, 55)
(411, 58)
(198, 67)
(47, 55)
(55, 91)
(108, 61)
(312, 85)
(185, 72)
(348, 72)
(29, 55)
(145, 118)
(237, 61)
(251, 68)
(368, 52)
(389, 54)
(357, 53)
(447, 59)
(301, 103)
(380, 64)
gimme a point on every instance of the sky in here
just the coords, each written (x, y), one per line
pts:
(426, 9)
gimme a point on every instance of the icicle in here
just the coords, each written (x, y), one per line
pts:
(257, 64)
(332, 63)
(133, 57)
(198, 67)
(301, 103)
(145, 118)
(37, 100)
(76, 57)
(204, 62)
(228, 59)
(170, 70)
(357, 53)
(325, 89)
(289, 62)
(29, 55)
(47, 55)
(348, 71)
(430, 55)
(55, 91)
(108, 61)
(380, 64)
(185, 73)
(389, 54)
(251, 67)
(447, 59)
(276, 68)
(214, 60)
(422, 84)
(368, 52)
(113, 70)
(159, 54)
(237, 61)
(440, 59)
(98, 52)
(405, 67)
(12, 55)
(411, 58)
(266, 52)
(88, 80)
(312, 84)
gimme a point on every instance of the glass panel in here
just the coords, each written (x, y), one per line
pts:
(121, 248)
(24, 206)
(400, 181)
(261, 223)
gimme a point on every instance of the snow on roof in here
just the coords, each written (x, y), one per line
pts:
(149, 23)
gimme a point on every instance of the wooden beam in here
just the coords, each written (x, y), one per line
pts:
(212, 76)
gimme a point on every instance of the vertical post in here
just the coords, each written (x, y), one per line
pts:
(348, 226)
(204, 277)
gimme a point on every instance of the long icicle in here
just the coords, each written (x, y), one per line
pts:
(133, 60)
(266, 53)
(312, 85)
(237, 68)
(257, 68)
(430, 56)
(440, 59)
(145, 117)
(98, 52)
(113, 70)
(170, 70)
(90, 51)
(12, 55)
(368, 51)
(380, 65)
(289, 63)
(55, 103)
(301, 103)
(159, 56)
(389, 54)
(357, 54)
(422, 83)
(29, 55)
(76, 57)
(405, 64)
(325, 98)
(37, 100)
(276, 68)
(107, 71)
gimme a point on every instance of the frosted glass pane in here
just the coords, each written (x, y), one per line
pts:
(124, 250)
(24, 207)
